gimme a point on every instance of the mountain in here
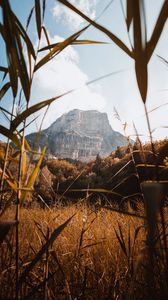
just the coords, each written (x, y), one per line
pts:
(80, 135)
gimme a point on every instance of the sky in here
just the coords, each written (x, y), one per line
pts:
(77, 65)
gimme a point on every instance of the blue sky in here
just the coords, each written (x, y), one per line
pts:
(79, 64)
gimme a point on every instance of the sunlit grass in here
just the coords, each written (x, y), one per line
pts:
(88, 250)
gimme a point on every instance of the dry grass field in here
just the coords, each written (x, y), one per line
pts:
(100, 254)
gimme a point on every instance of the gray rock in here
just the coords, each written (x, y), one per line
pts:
(80, 135)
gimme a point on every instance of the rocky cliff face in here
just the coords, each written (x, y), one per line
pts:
(80, 135)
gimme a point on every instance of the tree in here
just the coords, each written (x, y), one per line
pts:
(118, 152)
(97, 165)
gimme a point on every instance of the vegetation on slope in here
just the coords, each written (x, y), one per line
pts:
(121, 172)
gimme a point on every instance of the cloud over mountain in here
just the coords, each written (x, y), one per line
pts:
(60, 75)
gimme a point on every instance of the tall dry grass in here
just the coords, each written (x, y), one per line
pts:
(100, 254)
(87, 261)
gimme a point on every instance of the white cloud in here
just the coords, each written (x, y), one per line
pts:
(61, 12)
(61, 75)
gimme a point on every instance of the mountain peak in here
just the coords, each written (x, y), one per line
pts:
(81, 135)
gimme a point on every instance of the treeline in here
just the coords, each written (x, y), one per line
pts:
(121, 172)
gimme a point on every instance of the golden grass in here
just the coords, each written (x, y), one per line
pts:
(87, 256)
(101, 254)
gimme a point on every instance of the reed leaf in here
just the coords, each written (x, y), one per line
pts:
(24, 162)
(38, 17)
(84, 42)
(33, 109)
(9, 38)
(32, 121)
(15, 138)
(22, 69)
(43, 249)
(156, 108)
(159, 25)
(44, 8)
(77, 42)
(105, 191)
(29, 17)
(32, 177)
(3, 69)
(46, 35)
(124, 180)
(136, 233)
(123, 212)
(25, 37)
(16, 61)
(4, 89)
(2, 31)
(6, 111)
(129, 17)
(58, 48)
(9, 134)
(120, 239)
(113, 37)
(139, 26)
(10, 180)
(148, 166)
(120, 170)
(163, 59)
